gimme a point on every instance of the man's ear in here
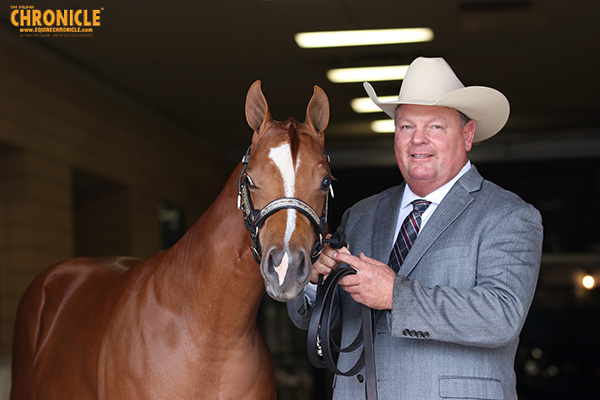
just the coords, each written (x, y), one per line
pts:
(469, 134)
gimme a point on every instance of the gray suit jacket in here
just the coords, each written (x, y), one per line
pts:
(460, 298)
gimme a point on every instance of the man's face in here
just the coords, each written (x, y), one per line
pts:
(430, 145)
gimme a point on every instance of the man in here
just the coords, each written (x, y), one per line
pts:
(451, 315)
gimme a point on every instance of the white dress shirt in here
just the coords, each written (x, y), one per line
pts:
(434, 197)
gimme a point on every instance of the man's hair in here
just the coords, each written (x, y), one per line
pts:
(462, 119)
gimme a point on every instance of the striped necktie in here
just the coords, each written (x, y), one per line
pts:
(408, 234)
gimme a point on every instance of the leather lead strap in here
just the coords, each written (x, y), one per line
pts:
(371, 385)
(321, 346)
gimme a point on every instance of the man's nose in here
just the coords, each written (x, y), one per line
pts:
(420, 136)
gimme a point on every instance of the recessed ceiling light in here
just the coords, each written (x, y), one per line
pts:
(364, 37)
(383, 126)
(366, 105)
(362, 74)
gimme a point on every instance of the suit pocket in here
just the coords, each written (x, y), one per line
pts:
(466, 387)
(448, 266)
(447, 253)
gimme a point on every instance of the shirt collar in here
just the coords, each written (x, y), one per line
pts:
(437, 195)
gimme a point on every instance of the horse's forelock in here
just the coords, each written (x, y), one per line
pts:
(294, 130)
(294, 141)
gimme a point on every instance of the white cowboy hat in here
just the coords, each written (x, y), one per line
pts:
(431, 82)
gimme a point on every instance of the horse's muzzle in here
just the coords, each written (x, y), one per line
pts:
(286, 272)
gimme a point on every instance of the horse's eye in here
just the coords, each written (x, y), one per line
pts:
(326, 183)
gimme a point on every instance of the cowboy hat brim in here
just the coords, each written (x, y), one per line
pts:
(486, 106)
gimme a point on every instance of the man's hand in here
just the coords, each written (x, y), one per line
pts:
(326, 263)
(372, 285)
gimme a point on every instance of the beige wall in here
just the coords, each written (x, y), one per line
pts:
(82, 170)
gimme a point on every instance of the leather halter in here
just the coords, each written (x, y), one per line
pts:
(254, 219)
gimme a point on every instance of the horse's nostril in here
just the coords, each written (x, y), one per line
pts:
(304, 263)
(275, 257)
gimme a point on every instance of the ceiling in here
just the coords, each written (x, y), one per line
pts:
(192, 62)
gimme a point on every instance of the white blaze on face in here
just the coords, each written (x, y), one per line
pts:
(282, 157)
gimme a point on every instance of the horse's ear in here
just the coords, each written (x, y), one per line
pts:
(317, 112)
(257, 109)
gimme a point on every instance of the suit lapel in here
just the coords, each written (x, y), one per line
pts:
(384, 224)
(453, 204)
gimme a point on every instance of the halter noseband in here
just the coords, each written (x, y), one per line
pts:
(254, 219)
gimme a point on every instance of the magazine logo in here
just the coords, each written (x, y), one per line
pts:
(34, 22)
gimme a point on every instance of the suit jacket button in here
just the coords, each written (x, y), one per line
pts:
(360, 378)
(426, 334)
(406, 332)
(412, 333)
(419, 334)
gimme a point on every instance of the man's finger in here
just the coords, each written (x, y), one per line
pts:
(346, 257)
(371, 261)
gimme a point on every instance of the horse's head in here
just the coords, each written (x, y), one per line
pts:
(287, 171)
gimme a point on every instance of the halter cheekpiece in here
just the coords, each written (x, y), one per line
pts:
(254, 219)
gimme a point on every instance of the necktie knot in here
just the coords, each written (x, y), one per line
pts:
(420, 205)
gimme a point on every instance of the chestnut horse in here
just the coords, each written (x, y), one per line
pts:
(182, 323)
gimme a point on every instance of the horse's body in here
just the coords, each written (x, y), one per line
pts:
(181, 324)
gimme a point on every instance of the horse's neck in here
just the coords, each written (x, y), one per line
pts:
(215, 273)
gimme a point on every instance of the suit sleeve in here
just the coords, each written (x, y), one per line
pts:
(505, 255)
